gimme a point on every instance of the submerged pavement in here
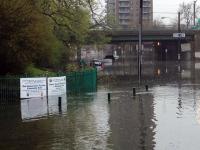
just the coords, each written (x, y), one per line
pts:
(167, 117)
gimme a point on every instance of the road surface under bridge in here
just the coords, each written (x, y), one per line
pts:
(159, 41)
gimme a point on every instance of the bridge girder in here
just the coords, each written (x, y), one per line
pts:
(151, 35)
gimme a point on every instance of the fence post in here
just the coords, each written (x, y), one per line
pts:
(60, 104)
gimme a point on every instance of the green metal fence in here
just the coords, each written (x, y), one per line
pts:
(83, 81)
(9, 89)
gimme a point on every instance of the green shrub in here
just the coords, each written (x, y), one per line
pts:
(33, 71)
(72, 67)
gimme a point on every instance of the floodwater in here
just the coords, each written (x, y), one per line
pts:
(166, 117)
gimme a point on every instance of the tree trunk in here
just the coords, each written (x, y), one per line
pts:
(78, 53)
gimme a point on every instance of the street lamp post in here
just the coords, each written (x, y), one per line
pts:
(179, 31)
(140, 41)
(166, 50)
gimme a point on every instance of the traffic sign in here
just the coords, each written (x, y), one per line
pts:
(179, 35)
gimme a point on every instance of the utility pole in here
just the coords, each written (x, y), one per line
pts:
(194, 7)
(140, 41)
(179, 40)
(179, 22)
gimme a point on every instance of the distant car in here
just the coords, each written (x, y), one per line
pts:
(113, 57)
(109, 57)
(97, 63)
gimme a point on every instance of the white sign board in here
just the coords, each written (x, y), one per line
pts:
(32, 87)
(185, 47)
(56, 86)
(197, 54)
(179, 35)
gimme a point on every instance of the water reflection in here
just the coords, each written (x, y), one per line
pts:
(155, 71)
(91, 127)
(83, 124)
(36, 108)
(166, 117)
(175, 110)
(177, 117)
(33, 108)
(132, 122)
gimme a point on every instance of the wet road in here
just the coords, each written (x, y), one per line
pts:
(167, 117)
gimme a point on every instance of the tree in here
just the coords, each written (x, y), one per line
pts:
(158, 24)
(74, 20)
(187, 14)
(186, 11)
(71, 20)
(26, 37)
(43, 32)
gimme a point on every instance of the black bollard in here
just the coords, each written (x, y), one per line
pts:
(59, 101)
(147, 88)
(60, 104)
(109, 97)
(134, 92)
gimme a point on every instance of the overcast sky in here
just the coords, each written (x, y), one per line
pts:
(163, 8)
(168, 6)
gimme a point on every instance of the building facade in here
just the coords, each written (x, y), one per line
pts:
(125, 13)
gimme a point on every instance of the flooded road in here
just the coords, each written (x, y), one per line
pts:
(167, 117)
